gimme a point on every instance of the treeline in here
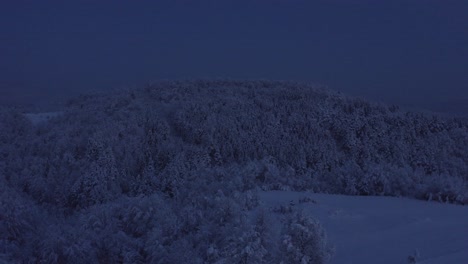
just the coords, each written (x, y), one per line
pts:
(295, 135)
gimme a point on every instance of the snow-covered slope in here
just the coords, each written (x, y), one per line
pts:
(384, 229)
(37, 118)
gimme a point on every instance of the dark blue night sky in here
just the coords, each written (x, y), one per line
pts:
(394, 51)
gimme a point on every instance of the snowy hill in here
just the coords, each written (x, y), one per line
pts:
(176, 172)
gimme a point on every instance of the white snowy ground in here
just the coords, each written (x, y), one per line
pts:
(37, 118)
(385, 229)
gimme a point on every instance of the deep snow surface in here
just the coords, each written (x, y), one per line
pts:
(385, 229)
(37, 118)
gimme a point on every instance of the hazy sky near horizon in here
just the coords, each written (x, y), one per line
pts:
(395, 51)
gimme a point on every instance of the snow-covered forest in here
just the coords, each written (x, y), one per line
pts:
(171, 173)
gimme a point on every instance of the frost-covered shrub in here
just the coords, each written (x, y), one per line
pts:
(445, 189)
(121, 231)
(13, 125)
(306, 199)
(63, 244)
(305, 241)
(282, 209)
(21, 223)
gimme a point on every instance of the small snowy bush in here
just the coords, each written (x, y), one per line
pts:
(305, 241)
